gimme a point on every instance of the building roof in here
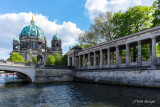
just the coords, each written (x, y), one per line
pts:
(16, 39)
(76, 47)
(32, 30)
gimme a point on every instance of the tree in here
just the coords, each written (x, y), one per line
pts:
(57, 59)
(64, 60)
(50, 60)
(135, 19)
(101, 30)
(156, 14)
(34, 60)
(16, 57)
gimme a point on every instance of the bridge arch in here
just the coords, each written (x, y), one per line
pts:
(26, 70)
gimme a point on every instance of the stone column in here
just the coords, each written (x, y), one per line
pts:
(139, 54)
(127, 55)
(69, 61)
(73, 61)
(112, 57)
(89, 63)
(79, 61)
(101, 58)
(108, 53)
(94, 59)
(117, 56)
(153, 53)
(84, 60)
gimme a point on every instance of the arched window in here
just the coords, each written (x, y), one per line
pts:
(57, 45)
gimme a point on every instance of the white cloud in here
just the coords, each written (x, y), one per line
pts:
(12, 24)
(95, 7)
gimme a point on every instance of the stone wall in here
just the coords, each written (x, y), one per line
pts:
(148, 78)
(54, 75)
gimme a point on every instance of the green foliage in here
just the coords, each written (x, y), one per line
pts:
(146, 51)
(16, 57)
(156, 14)
(57, 59)
(123, 52)
(158, 49)
(27, 61)
(50, 60)
(85, 46)
(34, 60)
(101, 30)
(135, 19)
(64, 60)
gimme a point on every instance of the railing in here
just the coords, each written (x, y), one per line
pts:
(16, 63)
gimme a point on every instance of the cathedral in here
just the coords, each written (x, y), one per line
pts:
(32, 43)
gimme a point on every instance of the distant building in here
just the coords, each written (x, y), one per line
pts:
(32, 43)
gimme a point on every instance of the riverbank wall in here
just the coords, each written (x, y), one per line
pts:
(130, 77)
(146, 78)
(54, 75)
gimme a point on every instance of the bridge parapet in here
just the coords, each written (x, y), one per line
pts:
(14, 63)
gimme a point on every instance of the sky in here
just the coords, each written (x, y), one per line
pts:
(68, 18)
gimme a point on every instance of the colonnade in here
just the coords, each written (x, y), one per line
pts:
(84, 59)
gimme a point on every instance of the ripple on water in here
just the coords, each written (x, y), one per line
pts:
(73, 95)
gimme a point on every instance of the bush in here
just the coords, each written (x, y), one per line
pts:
(16, 57)
(64, 60)
(27, 60)
(50, 60)
(34, 60)
(57, 59)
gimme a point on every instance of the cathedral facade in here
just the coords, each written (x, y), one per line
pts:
(32, 43)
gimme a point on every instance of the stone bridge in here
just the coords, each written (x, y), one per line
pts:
(9, 66)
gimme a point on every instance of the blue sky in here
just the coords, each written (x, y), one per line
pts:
(62, 10)
(67, 17)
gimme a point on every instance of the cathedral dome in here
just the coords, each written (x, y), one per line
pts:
(32, 30)
(55, 37)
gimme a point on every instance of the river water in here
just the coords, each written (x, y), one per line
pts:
(71, 94)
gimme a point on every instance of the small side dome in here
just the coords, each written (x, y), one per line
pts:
(16, 39)
(55, 37)
(77, 47)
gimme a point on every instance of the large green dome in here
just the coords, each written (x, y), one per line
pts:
(32, 30)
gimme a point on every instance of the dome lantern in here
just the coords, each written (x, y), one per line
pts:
(56, 37)
(32, 21)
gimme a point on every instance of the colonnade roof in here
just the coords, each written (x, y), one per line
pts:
(145, 34)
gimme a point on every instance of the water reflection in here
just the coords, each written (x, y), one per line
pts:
(74, 95)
